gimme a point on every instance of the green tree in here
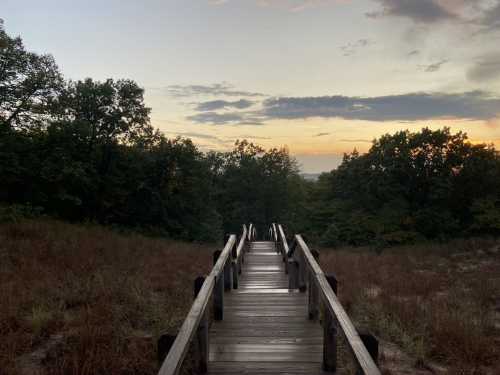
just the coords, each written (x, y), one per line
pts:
(111, 111)
(29, 83)
(408, 186)
(253, 185)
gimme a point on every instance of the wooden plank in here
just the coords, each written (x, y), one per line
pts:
(262, 267)
(318, 340)
(261, 313)
(255, 299)
(266, 322)
(263, 254)
(264, 281)
(265, 368)
(250, 280)
(264, 286)
(265, 348)
(264, 291)
(268, 332)
(293, 329)
(263, 298)
(267, 308)
(286, 357)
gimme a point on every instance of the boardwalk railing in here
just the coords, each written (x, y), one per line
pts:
(306, 274)
(224, 276)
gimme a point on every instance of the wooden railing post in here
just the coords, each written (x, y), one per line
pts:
(283, 246)
(234, 265)
(218, 291)
(228, 277)
(313, 292)
(201, 332)
(330, 333)
(302, 273)
(293, 274)
(235, 272)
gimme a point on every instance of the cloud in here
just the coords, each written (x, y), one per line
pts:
(490, 19)
(431, 68)
(195, 135)
(247, 136)
(486, 68)
(216, 89)
(350, 49)
(290, 5)
(356, 140)
(420, 11)
(222, 104)
(232, 118)
(321, 134)
(482, 14)
(476, 105)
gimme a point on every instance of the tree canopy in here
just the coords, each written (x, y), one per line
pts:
(429, 184)
(86, 150)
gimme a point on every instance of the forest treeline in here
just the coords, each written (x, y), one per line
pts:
(86, 151)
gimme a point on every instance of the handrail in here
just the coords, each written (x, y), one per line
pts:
(239, 250)
(284, 242)
(250, 232)
(361, 355)
(179, 349)
(275, 233)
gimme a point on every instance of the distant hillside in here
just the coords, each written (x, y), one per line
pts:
(310, 176)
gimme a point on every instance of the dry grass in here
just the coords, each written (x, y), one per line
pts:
(439, 303)
(95, 298)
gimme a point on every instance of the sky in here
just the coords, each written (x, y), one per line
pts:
(319, 77)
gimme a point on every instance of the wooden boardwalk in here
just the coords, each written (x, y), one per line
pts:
(266, 329)
(267, 299)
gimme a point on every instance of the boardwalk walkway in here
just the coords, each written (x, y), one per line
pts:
(260, 322)
(265, 328)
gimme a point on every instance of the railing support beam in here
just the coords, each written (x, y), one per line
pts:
(228, 277)
(313, 295)
(202, 332)
(330, 333)
(235, 272)
(218, 292)
(293, 274)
